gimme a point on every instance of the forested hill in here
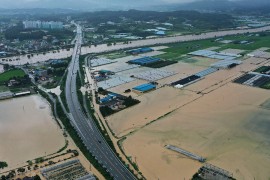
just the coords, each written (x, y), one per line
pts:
(215, 20)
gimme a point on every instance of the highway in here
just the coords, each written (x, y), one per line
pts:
(85, 126)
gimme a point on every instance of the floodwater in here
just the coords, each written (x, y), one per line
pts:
(1, 68)
(20, 60)
(27, 130)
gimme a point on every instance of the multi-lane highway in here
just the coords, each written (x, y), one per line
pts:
(86, 127)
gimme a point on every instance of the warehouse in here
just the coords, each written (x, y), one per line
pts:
(226, 64)
(144, 61)
(215, 55)
(154, 75)
(6, 95)
(186, 81)
(99, 62)
(114, 81)
(144, 88)
(140, 51)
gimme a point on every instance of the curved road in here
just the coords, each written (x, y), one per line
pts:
(86, 127)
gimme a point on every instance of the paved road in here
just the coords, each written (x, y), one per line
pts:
(86, 127)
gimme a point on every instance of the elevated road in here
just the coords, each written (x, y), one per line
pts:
(86, 127)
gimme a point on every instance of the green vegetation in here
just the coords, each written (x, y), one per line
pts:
(115, 55)
(39, 160)
(11, 74)
(135, 21)
(160, 64)
(196, 177)
(266, 85)
(3, 88)
(178, 51)
(106, 111)
(128, 102)
(64, 147)
(3, 165)
(262, 69)
(56, 72)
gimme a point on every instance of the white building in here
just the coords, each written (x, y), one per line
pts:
(43, 24)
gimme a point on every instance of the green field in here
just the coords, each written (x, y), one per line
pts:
(115, 55)
(262, 69)
(10, 74)
(3, 88)
(266, 85)
(177, 51)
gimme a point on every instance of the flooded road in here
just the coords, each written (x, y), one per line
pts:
(20, 60)
(27, 130)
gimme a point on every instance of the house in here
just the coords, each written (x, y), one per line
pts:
(160, 33)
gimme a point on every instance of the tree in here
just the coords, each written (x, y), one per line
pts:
(3, 164)
(6, 67)
(21, 170)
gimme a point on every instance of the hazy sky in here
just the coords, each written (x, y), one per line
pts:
(83, 3)
(95, 4)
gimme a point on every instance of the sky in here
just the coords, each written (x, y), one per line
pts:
(77, 4)
(94, 4)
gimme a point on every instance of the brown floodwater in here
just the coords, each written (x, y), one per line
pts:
(20, 60)
(27, 130)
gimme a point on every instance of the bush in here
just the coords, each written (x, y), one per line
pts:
(3, 164)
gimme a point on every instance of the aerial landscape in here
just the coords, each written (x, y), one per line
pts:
(126, 90)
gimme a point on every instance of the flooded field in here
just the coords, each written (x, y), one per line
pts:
(27, 130)
(20, 60)
(228, 127)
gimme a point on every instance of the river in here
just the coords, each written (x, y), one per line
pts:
(20, 60)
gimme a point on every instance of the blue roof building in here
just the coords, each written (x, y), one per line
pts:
(140, 50)
(144, 60)
(160, 33)
(144, 88)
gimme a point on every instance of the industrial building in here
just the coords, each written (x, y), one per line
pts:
(6, 95)
(144, 61)
(65, 171)
(160, 33)
(186, 81)
(144, 88)
(254, 79)
(140, 51)
(114, 81)
(154, 75)
(99, 62)
(215, 55)
(109, 97)
(211, 172)
(226, 64)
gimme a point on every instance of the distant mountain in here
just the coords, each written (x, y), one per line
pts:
(236, 6)
(40, 11)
